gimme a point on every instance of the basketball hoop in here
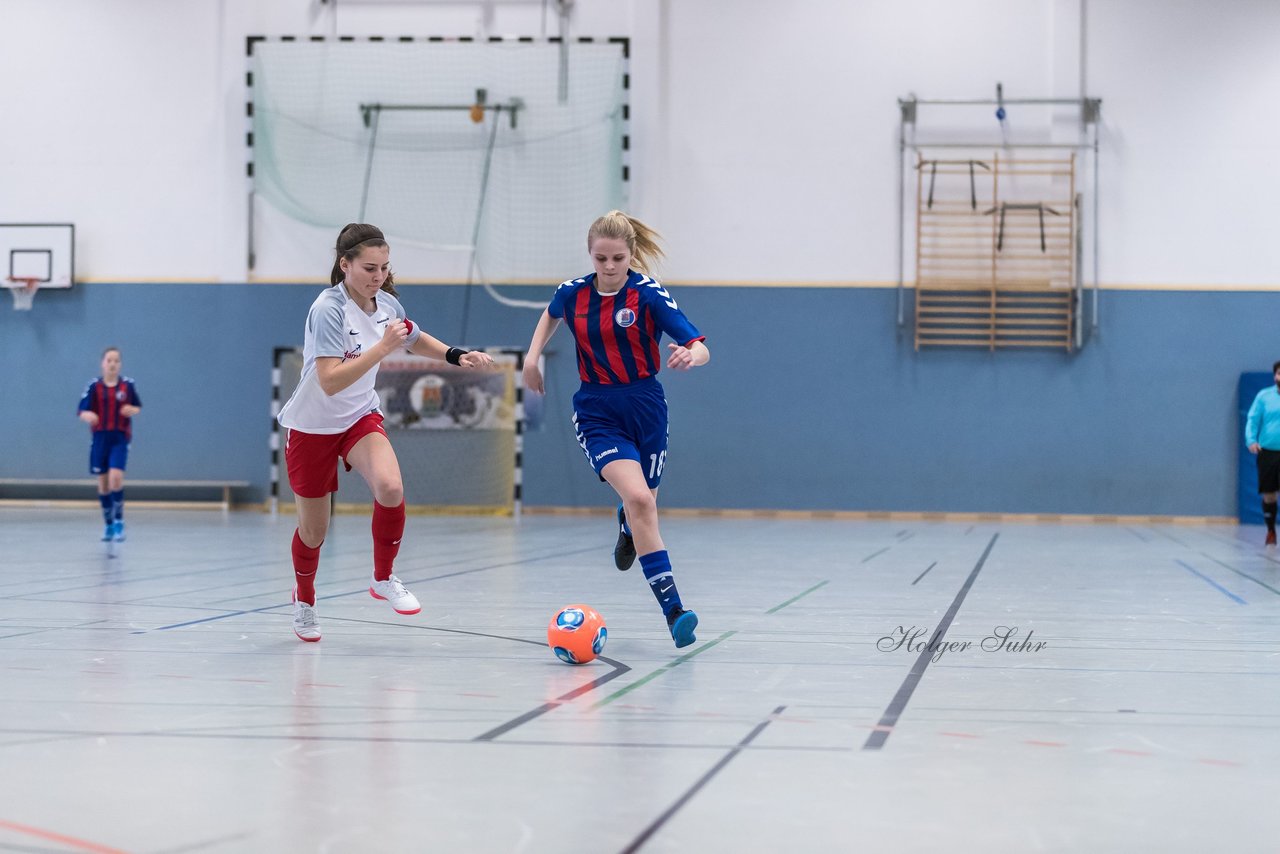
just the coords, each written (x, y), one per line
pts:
(23, 290)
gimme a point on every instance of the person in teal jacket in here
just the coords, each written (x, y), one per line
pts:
(1262, 436)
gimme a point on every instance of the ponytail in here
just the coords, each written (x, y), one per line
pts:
(641, 240)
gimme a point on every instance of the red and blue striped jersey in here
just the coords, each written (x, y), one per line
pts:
(105, 401)
(617, 336)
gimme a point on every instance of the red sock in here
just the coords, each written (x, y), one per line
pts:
(305, 561)
(388, 528)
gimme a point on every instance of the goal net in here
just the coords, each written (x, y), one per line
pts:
(481, 161)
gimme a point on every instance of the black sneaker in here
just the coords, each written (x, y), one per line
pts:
(624, 553)
(682, 623)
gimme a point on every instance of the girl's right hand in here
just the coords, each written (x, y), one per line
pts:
(90, 418)
(533, 377)
(393, 336)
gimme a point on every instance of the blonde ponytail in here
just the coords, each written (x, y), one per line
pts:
(641, 240)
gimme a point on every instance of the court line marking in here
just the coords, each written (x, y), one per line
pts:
(215, 565)
(36, 630)
(1242, 574)
(776, 608)
(364, 590)
(662, 819)
(357, 551)
(513, 742)
(682, 659)
(1224, 591)
(926, 572)
(63, 839)
(206, 843)
(661, 670)
(880, 733)
(1136, 534)
(619, 669)
(501, 729)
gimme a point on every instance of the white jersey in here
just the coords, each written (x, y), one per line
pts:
(337, 326)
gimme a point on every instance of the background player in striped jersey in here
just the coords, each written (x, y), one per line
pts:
(617, 316)
(333, 414)
(108, 405)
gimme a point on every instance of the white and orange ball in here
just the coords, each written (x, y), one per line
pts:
(577, 634)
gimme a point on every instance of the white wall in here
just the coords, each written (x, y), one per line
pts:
(763, 132)
(114, 124)
(1191, 130)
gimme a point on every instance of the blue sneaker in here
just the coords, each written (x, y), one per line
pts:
(117, 533)
(682, 623)
(624, 552)
(108, 532)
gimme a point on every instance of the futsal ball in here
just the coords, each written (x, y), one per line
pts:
(577, 634)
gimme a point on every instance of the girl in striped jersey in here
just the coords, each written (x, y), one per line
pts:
(333, 414)
(617, 316)
(108, 405)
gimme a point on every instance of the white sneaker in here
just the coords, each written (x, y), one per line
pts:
(391, 590)
(305, 624)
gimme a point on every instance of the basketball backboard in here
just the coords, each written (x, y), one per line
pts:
(41, 251)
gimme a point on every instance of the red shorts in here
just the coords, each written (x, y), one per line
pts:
(312, 458)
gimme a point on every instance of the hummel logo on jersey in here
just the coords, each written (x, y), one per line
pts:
(600, 456)
(662, 292)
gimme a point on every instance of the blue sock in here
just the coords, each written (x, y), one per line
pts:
(117, 499)
(108, 510)
(622, 520)
(657, 571)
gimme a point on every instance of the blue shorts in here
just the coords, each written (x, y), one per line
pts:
(623, 422)
(110, 450)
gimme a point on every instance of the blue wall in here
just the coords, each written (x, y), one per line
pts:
(812, 399)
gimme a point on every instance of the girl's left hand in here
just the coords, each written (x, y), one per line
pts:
(129, 410)
(475, 359)
(680, 359)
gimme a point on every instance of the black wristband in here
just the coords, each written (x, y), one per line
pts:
(454, 355)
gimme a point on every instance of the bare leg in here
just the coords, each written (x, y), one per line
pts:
(313, 520)
(375, 460)
(639, 503)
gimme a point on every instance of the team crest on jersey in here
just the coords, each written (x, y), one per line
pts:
(624, 317)
(121, 396)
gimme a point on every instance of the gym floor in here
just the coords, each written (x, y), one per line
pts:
(1097, 688)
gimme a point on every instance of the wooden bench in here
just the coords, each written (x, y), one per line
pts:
(223, 486)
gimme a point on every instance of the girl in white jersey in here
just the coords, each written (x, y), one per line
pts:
(333, 414)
